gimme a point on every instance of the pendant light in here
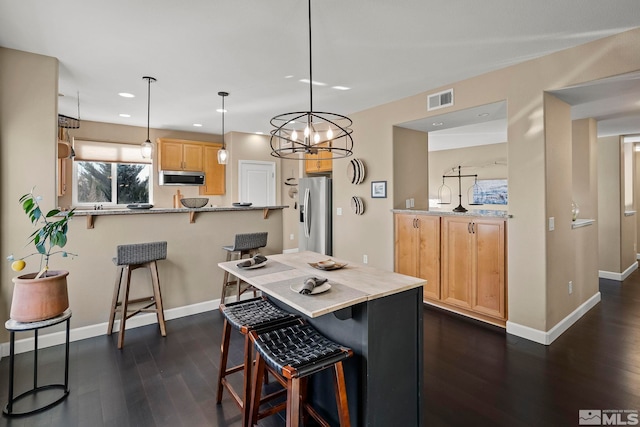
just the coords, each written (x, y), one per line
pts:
(223, 154)
(147, 147)
(311, 132)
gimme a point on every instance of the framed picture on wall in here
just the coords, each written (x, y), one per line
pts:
(379, 189)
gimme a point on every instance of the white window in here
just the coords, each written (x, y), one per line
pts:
(111, 174)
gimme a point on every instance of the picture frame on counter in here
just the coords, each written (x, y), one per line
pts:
(378, 189)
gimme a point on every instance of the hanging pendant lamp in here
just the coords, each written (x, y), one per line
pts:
(223, 154)
(147, 147)
(311, 132)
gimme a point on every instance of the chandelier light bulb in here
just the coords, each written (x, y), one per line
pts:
(294, 135)
(316, 138)
(306, 132)
(330, 134)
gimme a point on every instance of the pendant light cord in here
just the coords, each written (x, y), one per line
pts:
(224, 146)
(310, 64)
(148, 105)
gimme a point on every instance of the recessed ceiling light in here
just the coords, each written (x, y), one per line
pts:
(198, 125)
(437, 123)
(220, 110)
(289, 76)
(259, 133)
(340, 87)
(315, 83)
(126, 95)
(483, 114)
(124, 115)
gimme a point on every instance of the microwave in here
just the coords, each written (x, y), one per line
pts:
(181, 178)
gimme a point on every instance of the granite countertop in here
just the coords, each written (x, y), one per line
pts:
(125, 211)
(488, 213)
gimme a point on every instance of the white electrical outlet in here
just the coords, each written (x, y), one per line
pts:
(552, 223)
(570, 287)
(291, 236)
(365, 259)
(338, 211)
(413, 202)
(407, 203)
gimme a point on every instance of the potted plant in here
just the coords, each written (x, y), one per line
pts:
(42, 295)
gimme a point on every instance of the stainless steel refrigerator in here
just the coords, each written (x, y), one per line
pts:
(315, 215)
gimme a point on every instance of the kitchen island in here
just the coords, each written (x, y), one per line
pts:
(375, 312)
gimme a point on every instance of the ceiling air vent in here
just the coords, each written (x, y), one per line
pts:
(440, 100)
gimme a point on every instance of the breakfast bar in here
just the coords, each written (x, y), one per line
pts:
(375, 312)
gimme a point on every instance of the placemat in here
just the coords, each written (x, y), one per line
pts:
(270, 267)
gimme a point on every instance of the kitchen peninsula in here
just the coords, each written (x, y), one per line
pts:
(375, 312)
(189, 278)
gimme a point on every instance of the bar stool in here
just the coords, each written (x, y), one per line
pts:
(245, 316)
(245, 244)
(292, 354)
(129, 258)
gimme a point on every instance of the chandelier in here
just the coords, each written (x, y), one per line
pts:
(311, 132)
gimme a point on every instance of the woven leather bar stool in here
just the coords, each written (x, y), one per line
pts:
(245, 316)
(292, 354)
(129, 258)
(245, 244)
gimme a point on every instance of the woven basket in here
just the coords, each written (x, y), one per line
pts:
(194, 202)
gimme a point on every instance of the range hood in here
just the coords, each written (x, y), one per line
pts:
(181, 178)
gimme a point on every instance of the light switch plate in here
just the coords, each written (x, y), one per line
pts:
(338, 211)
(552, 223)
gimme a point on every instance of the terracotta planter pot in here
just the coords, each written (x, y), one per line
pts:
(39, 299)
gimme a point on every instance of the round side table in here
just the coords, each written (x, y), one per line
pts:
(13, 326)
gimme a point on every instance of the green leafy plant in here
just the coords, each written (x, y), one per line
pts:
(48, 235)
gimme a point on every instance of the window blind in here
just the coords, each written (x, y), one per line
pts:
(115, 152)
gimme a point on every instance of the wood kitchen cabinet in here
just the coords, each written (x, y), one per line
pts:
(214, 172)
(473, 264)
(318, 163)
(417, 250)
(180, 155)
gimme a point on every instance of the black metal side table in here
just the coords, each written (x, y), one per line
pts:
(13, 326)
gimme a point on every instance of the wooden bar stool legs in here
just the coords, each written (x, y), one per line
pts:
(244, 244)
(132, 257)
(292, 354)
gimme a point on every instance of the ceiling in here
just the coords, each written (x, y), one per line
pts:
(257, 51)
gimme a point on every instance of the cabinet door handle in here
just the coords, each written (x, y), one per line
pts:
(417, 222)
(469, 228)
(473, 228)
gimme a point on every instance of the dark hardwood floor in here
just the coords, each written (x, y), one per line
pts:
(475, 375)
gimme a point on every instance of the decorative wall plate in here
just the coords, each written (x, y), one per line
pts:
(357, 205)
(355, 171)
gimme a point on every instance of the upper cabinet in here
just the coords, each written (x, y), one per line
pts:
(183, 155)
(214, 171)
(180, 155)
(318, 163)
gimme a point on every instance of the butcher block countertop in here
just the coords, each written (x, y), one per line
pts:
(353, 284)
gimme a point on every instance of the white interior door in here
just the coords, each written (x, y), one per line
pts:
(257, 182)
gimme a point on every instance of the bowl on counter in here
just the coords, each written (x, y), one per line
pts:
(194, 202)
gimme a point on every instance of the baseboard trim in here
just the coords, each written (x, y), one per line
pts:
(546, 338)
(290, 251)
(84, 332)
(618, 276)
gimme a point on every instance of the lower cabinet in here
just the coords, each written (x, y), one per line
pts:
(461, 257)
(473, 264)
(417, 250)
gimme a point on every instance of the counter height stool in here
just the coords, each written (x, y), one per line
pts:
(129, 258)
(244, 244)
(293, 353)
(245, 316)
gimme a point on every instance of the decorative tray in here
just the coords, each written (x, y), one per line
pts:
(140, 206)
(336, 266)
